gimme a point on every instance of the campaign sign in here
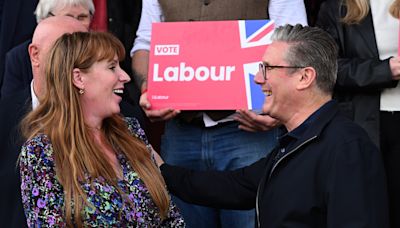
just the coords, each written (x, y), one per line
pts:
(207, 65)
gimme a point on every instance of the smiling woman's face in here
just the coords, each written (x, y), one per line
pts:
(103, 85)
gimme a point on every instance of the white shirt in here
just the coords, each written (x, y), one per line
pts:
(386, 29)
(35, 100)
(281, 11)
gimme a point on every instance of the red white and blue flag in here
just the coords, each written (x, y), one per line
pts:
(207, 65)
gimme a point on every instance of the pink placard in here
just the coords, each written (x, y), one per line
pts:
(207, 65)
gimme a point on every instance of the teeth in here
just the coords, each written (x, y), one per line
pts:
(118, 91)
(268, 93)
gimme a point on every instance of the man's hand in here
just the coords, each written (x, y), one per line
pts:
(157, 157)
(156, 115)
(250, 121)
(394, 64)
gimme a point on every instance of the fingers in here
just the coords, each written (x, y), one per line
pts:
(159, 161)
(250, 121)
(156, 115)
(161, 114)
(394, 64)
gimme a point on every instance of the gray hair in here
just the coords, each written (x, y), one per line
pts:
(311, 46)
(44, 7)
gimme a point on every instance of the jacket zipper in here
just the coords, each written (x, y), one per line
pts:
(272, 170)
(289, 153)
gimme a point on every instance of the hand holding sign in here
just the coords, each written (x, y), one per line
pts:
(394, 64)
(253, 122)
(156, 115)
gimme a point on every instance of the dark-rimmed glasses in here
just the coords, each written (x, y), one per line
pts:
(263, 68)
(80, 17)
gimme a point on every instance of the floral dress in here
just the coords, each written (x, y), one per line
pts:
(43, 197)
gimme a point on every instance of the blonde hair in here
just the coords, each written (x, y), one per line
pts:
(60, 116)
(357, 10)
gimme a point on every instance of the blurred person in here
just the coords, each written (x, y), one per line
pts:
(83, 164)
(325, 170)
(17, 25)
(210, 140)
(13, 108)
(18, 70)
(368, 88)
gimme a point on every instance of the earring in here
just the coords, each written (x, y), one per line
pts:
(81, 91)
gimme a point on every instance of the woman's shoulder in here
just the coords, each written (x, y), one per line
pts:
(37, 147)
(135, 128)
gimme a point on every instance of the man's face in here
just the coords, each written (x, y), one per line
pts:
(279, 86)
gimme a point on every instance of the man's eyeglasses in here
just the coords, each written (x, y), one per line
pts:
(81, 17)
(263, 68)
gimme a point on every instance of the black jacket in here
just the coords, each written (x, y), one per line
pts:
(333, 177)
(17, 25)
(362, 76)
(18, 70)
(12, 110)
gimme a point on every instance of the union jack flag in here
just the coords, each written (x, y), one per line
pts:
(254, 33)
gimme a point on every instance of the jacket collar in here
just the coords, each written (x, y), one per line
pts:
(315, 128)
(327, 112)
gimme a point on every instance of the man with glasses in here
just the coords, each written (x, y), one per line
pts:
(18, 69)
(324, 172)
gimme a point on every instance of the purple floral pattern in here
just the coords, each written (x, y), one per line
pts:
(43, 196)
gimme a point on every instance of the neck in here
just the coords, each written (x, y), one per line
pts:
(304, 111)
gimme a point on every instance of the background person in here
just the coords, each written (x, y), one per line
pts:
(368, 88)
(18, 69)
(12, 110)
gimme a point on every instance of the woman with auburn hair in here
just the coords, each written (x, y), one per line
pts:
(83, 164)
(368, 88)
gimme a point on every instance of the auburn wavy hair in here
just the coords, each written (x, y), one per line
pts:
(60, 117)
(357, 10)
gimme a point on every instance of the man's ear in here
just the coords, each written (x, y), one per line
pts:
(33, 51)
(77, 78)
(308, 76)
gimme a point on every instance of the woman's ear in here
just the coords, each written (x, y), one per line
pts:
(77, 78)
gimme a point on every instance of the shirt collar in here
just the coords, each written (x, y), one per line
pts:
(288, 138)
(35, 100)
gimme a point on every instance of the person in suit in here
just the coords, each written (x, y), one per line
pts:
(17, 25)
(18, 69)
(17, 73)
(13, 108)
(368, 88)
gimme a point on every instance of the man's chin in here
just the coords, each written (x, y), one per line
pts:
(266, 108)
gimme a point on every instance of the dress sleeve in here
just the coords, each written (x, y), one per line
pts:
(174, 217)
(136, 130)
(42, 194)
